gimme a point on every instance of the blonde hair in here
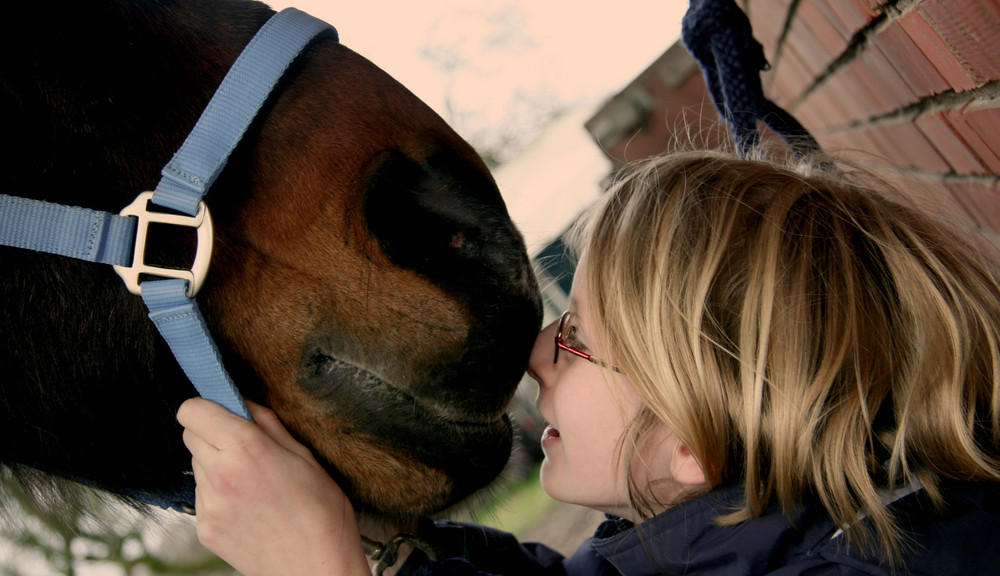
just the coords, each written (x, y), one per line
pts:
(807, 336)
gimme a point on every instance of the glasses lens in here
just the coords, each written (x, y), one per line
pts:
(559, 335)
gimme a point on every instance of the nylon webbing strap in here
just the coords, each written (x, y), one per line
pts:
(193, 169)
(181, 324)
(203, 155)
(66, 230)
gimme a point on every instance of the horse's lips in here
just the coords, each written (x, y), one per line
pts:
(423, 428)
(339, 376)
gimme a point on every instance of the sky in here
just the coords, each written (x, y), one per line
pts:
(500, 71)
(500, 66)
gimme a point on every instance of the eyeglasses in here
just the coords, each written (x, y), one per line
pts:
(562, 345)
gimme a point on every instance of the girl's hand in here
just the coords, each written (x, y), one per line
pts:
(264, 504)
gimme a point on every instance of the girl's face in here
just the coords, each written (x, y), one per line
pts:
(588, 408)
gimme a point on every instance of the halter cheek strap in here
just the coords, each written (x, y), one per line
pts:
(247, 85)
(119, 240)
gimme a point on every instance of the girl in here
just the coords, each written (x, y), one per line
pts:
(763, 371)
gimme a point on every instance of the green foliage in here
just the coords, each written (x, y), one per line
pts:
(518, 507)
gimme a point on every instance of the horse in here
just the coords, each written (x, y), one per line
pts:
(367, 282)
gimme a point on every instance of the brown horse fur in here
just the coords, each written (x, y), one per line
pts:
(367, 281)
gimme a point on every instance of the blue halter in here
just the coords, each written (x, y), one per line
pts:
(120, 239)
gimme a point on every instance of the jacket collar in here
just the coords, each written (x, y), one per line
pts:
(686, 538)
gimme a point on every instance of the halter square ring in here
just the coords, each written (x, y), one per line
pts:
(201, 222)
(562, 345)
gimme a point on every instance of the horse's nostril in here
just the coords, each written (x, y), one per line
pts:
(427, 214)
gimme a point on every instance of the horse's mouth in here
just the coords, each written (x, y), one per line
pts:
(470, 449)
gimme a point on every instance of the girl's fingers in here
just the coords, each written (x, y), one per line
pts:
(209, 427)
(272, 426)
(209, 421)
(197, 445)
(217, 426)
(199, 478)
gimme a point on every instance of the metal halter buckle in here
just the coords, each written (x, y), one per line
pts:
(202, 222)
(386, 555)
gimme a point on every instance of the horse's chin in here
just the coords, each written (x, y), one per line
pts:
(397, 453)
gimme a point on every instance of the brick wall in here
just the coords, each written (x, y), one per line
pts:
(914, 83)
(911, 84)
(665, 103)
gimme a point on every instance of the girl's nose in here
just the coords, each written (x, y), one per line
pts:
(540, 364)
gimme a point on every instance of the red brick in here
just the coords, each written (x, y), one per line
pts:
(767, 17)
(850, 94)
(969, 28)
(937, 51)
(853, 16)
(789, 78)
(833, 17)
(981, 202)
(812, 54)
(880, 140)
(938, 199)
(910, 61)
(983, 117)
(961, 121)
(824, 28)
(868, 144)
(944, 139)
(821, 110)
(910, 147)
(886, 144)
(870, 6)
(866, 94)
(885, 81)
(853, 143)
(824, 103)
(837, 143)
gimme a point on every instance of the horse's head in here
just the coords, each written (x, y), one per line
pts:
(374, 285)
(367, 282)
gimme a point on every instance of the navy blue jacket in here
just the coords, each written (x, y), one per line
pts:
(963, 540)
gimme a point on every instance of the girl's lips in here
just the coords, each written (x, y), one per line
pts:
(550, 435)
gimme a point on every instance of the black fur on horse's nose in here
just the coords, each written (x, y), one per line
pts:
(443, 217)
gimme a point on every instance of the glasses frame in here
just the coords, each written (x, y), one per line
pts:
(562, 345)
